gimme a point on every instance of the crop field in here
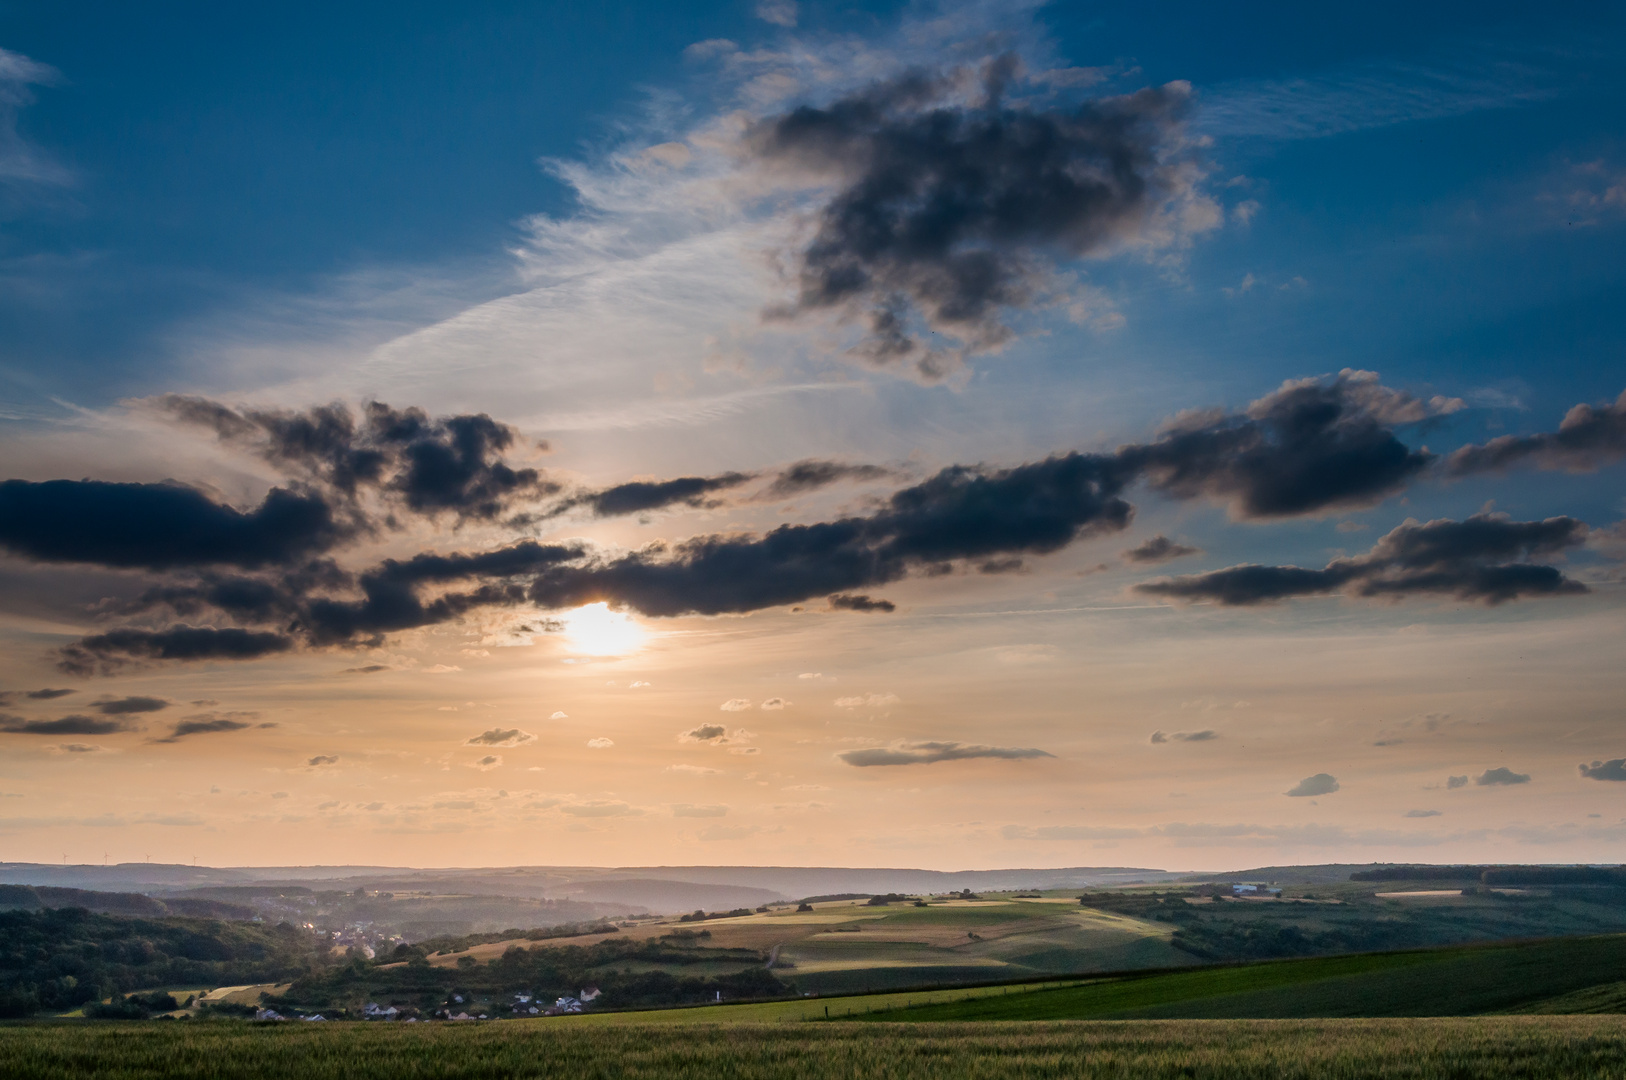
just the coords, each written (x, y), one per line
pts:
(1545, 1048)
(846, 946)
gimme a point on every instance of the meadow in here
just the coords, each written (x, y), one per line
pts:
(1514, 1047)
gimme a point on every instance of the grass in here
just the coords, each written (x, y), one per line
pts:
(1462, 981)
(1526, 1048)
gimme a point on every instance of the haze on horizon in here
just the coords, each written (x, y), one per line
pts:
(935, 435)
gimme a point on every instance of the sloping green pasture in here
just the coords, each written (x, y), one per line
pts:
(1571, 974)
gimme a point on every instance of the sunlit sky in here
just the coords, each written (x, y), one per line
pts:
(953, 436)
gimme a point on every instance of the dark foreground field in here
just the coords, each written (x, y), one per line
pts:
(1593, 1046)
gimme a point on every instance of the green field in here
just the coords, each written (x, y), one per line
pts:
(1513, 1047)
(1568, 975)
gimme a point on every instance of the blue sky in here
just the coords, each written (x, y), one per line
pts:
(565, 217)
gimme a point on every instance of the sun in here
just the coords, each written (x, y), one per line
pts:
(595, 630)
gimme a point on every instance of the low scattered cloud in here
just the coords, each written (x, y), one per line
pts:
(1310, 447)
(1481, 559)
(599, 809)
(211, 724)
(1421, 813)
(367, 669)
(558, 714)
(705, 733)
(429, 466)
(738, 704)
(1319, 784)
(48, 694)
(1159, 549)
(1614, 769)
(861, 603)
(600, 743)
(1501, 777)
(500, 737)
(779, 12)
(945, 205)
(871, 701)
(485, 764)
(1454, 782)
(692, 770)
(108, 652)
(714, 833)
(690, 810)
(927, 753)
(805, 476)
(645, 496)
(322, 759)
(76, 724)
(774, 704)
(1589, 437)
(1206, 735)
(126, 706)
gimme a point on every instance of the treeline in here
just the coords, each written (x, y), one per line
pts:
(59, 959)
(544, 973)
(463, 942)
(36, 897)
(1499, 875)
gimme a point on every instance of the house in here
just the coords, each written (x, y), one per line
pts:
(1254, 890)
(372, 1011)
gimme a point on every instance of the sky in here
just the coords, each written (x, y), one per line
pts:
(958, 435)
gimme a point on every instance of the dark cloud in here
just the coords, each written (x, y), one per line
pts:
(212, 723)
(160, 526)
(116, 648)
(1421, 813)
(322, 759)
(1159, 549)
(961, 513)
(127, 705)
(48, 694)
(860, 602)
(704, 733)
(1311, 446)
(1469, 560)
(366, 669)
(390, 598)
(640, 496)
(1588, 436)
(1501, 777)
(925, 753)
(1206, 735)
(500, 737)
(1319, 784)
(67, 725)
(805, 476)
(951, 204)
(1454, 782)
(450, 464)
(1614, 769)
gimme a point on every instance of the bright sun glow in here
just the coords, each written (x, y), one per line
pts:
(598, 631)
